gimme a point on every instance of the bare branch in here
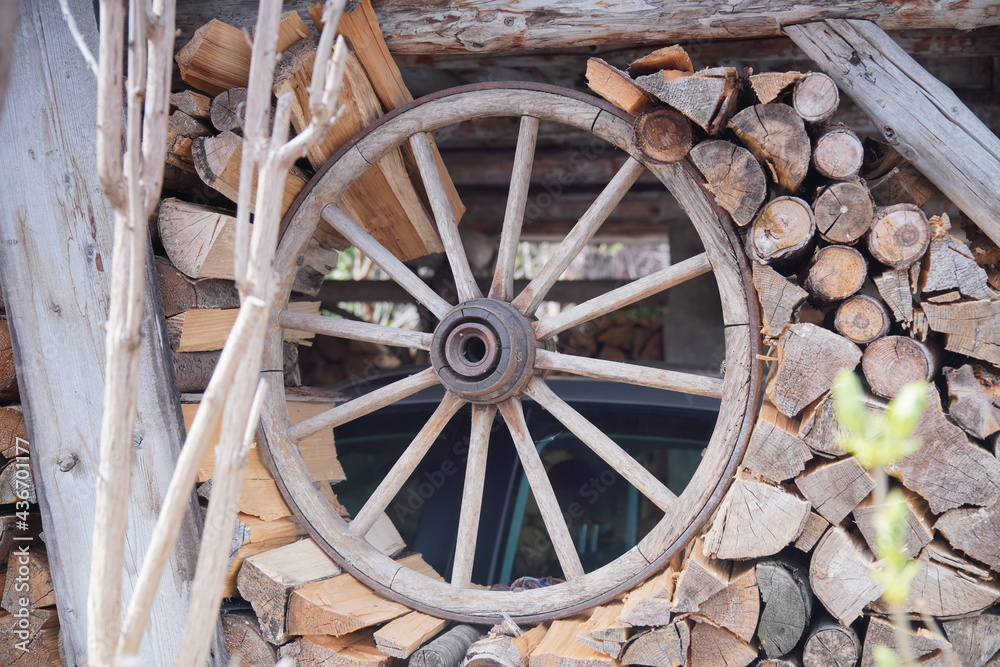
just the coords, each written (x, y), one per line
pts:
(77, 37)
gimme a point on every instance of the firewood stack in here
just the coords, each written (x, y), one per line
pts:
(29, 625)
(851, 272)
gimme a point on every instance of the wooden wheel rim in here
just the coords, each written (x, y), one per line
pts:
(740, 388)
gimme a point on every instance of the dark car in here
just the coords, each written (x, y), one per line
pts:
(663, 430)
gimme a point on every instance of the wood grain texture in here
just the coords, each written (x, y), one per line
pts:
(776, 451)
(755, 520)
(493, 26)
(801, 378)
(835, 489)
(839, 574)
(47, 144)
(788, 605)
(918, 114)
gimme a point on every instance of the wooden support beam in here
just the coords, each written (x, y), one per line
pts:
(53, 216)
(411, 28)
(920, 116)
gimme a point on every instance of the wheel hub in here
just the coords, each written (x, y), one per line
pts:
(484, 351)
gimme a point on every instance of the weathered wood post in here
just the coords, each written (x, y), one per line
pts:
(55, 258)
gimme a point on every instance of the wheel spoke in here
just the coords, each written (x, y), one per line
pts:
(623, 296)
(363, 405)
(344, 328)
(386, 261)
(472, 495)
(445, 217)
(529, 299)
(658, 378)
(541, 488)
(404, 467)
(513, 218)
(602, 445)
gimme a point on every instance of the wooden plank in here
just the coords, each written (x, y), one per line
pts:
(404, 635)
(919, 115)
(53, 216)
(490, 27)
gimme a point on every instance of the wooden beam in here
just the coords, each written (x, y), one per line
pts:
(920, 116)
(53, 217)
(487, 27)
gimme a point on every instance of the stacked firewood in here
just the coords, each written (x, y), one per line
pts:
(29, 625)
(851, 272)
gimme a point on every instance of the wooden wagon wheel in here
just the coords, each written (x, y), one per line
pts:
(488, 351)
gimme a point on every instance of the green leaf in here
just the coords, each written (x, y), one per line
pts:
(848, 402)
(886, 657)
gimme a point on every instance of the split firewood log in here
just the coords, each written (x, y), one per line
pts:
(776, 452)
(737, 606)
(835, 273)
(217, 160)
(229, 109)
(193, 104)
(666, 646)
(829, 644)
(733, 176)
(894, 288)
(820, 430)
(492, 651)
(843, 212)
(717, 647)
(663, 135)
(39, 647)
(560, 647)
(603, 631)
(181, 130)
(837, 153)
(812, 531)
(922, 643)
(899, 235)
(769, 86)
(862, 319)
(244, 641)
(840, 575)
(672, 57)
(949, 265)
(206, 329)
(649, 604)
(919, 529)
(700, 578)
(8, 377)
(179, 293)
(779, 299)
(973, 474)
(782, 232)
(969, 403)
(835, 488)
(816, 97)
(776, 134)
(788, 603)
(216, 59)
(17, 481)
(13, 436)
(975, 639)
(972, 530)
(32, 587)
(708, 97)
(618, 88)
(810, 357)
(755, 520)
(402, 636)
(891, 362)
(342, 604)
(947, 586)
(972, 328)
(268, 579)
(193, 370)
(354, 650)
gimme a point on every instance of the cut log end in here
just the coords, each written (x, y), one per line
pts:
(862, 318)
(837, 272)
(838, 154)
(816, 97)
(843, 212)
(782, 232)
(900, 235)
(891, 362)
(663, 135)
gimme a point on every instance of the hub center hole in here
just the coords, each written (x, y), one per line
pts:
(474, 349)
